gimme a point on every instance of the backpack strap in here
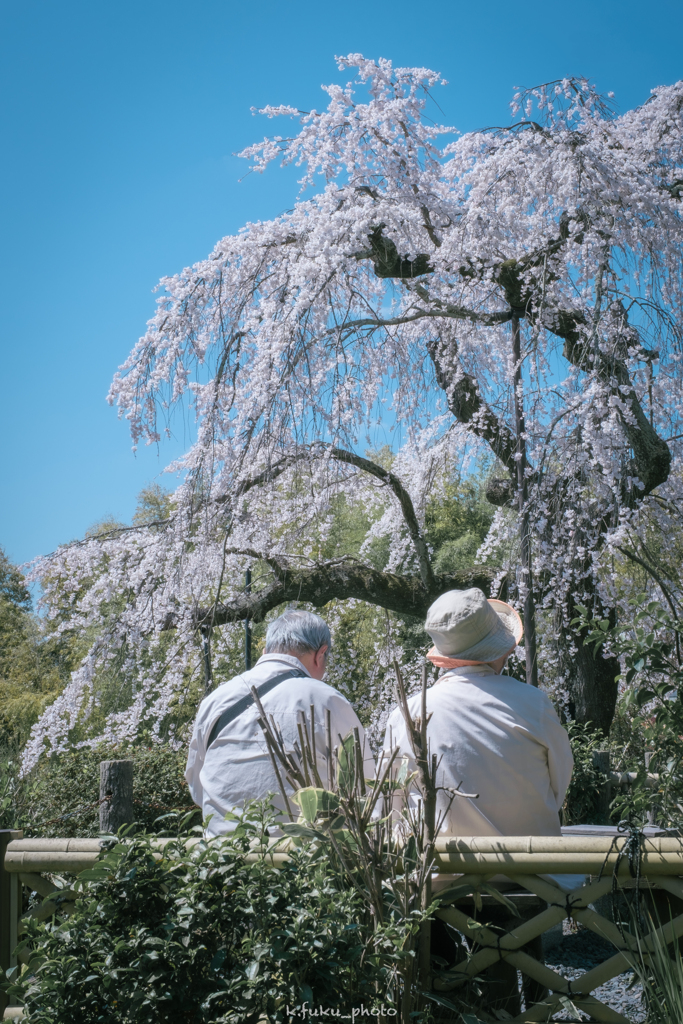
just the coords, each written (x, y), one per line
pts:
(241, 705)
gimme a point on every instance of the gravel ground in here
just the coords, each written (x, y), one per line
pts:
(576, 953)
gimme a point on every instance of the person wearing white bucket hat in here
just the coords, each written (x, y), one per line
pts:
(492, 734)
(467, 626)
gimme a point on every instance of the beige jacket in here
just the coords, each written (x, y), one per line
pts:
(237, 767)
(501, 739)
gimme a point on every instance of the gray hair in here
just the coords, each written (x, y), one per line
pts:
(297, 631)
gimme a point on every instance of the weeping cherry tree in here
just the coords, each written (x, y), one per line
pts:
(511, 293)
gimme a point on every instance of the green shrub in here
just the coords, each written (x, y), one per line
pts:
(60, 796)
(650, 643)
(202, 935)
(581, 801)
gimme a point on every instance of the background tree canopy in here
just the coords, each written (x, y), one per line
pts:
(34, 667)
(509, 299)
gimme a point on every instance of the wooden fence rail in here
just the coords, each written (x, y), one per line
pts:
(525, 862)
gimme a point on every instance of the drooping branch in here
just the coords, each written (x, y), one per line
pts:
(272, 472)
(266, 476)
(339, 580)
(404, 500)
(653, 573)
(651, 461)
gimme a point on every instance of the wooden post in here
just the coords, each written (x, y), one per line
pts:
(116, 794)
(10, 909)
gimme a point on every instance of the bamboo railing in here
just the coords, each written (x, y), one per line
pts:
(525, 861)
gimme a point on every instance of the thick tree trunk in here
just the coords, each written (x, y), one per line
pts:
(591, 682)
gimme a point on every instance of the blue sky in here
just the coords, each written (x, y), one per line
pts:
(119, 125)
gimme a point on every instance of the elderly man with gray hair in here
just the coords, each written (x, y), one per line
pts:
(228, 762)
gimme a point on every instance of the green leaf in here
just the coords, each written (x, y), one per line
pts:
(402, 774)
(96, 874)
(292, 828)
(500, 898)
(346, 764)
(442, 1001)
(314, 802)
(447, 896)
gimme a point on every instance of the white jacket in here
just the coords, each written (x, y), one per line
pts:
(237, 767)
(499, 738)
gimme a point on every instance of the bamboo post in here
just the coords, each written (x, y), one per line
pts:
(247, 625)
(116, 795)
(10, 908)
(428, 766)
(529, 611)
(206, 658)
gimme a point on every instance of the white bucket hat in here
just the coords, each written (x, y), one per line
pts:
(464, 625)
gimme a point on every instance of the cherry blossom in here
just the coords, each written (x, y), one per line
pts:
(392, 293)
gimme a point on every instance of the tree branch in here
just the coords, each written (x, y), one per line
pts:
(318, 584)
(367, 466)
(655, 576)
(651, 461)
(469, 408)
(405, 502)
(386, 260)
(441, 311)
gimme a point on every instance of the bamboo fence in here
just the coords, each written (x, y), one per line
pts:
(525, 861)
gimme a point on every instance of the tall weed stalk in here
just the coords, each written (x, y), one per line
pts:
(380, 831)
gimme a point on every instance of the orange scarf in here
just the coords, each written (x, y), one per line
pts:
(441, 661)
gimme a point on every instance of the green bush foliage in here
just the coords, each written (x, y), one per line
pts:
(650, 642)
(581, 802)
(202, 935)
(60, 797)
(33, 668)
